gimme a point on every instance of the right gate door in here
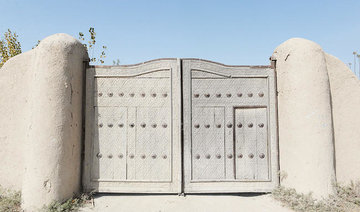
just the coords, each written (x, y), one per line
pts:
(230, 134)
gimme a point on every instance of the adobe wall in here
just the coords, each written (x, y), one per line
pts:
(42, 112)
(14, 124)
(41, 101)
(319, 118)
(345, 96)
(306, 149)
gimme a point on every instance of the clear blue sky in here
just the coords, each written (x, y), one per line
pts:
(231, 32)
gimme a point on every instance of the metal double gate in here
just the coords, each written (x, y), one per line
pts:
(180, 125)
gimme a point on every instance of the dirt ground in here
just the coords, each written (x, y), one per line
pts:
(188, 203)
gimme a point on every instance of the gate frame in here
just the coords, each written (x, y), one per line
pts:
(181, 81)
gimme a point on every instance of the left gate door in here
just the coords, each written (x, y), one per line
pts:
(132, 131)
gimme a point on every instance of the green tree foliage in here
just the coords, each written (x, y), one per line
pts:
(38, 42)
(90, 44)
(116, 62)
(9, 46)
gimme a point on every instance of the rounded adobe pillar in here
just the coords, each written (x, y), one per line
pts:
(53, 147)
(306, 147)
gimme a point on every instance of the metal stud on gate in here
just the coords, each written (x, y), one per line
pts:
(143, 95)
(100, 94)
(164, 125)
(154, 125)
(228, 95)
(207, 156)
(153, 95)
(196, 95)
(218, 156)
(99, 155)
(100, 125)
(239, 125)
(165, 95)
(207, 125)
(153, 156)
(197, 156)
(164, 156)
(218, 126)
(110, 125)
(218, 95)
(262, 155)
(132, 125)
(131, 156)
(251, 155)
(110, 156)
(229, 125)
(239, 94)
(143, 156)
(121, 94)
(250, 94)
(261, 94)
(121, 125)
(143, 125)
(229, 156)
(240, 156)
(250, 125)
(261, 125)
(110, 94)
(207, 95)
(120, 156)
(132, 95)
(197, 125)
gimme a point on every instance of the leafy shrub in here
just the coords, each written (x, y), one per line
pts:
(346, 198)
(72, 204)
(9, 46)
(10, 201)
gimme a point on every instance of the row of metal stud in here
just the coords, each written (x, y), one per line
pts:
(131, 156)
(229, 125)
(131, 94)
(218, 95)
(230, 156)
(143, 125)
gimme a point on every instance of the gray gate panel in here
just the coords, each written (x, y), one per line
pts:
(133, 121)
(135, 92)
(207, 152)
(240, 155)
(153, 146)
(108, 156)
(251, 144)
(239, 91)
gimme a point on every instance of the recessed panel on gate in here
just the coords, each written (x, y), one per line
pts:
(229, 128)
(251, 144)
(208, 152)
(133, 128)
